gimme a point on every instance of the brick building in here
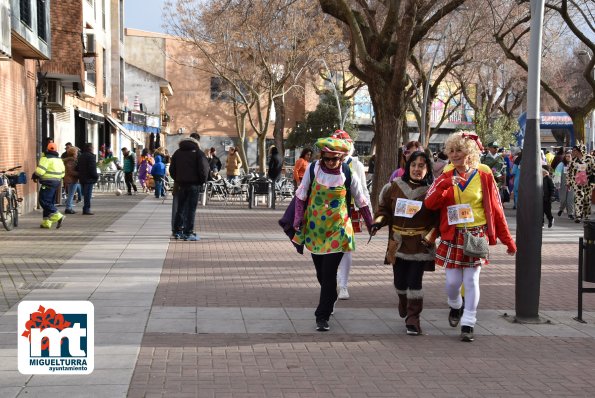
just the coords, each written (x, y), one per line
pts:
(196, 105)
(24, 39)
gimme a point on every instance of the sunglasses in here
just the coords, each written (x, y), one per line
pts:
(331, 159)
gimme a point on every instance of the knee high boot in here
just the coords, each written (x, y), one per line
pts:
(415, 304)
(402, 302)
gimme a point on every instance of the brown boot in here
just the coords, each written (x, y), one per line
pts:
(414, 308)
(402, 303)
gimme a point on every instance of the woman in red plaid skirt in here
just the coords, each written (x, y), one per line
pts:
(467, 197)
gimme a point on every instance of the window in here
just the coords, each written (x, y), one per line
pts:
(26, 12)
(104, 73)
(221, 90)
(41, 21)
(121, 79)
(103, 10)
(122, 21)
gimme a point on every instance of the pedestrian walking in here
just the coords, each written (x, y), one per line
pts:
(71, 177)
(158, 172)
(493, 159)
(406, 151)
(548, 196)
(128, 168)
(411, 235)
(49, 172)
(469, 203)
(562, 183)
(233, 165)
(357, 171)
(322, 222)
(582, 178)
(274, 170)
(516, 172)
(189, 168)
(301, 165)
(87, 169)
(144, 169)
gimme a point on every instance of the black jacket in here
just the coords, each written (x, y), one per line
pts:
(215, 163)
(548, 188)
(188, 164)
(87, 168)
(275, 166)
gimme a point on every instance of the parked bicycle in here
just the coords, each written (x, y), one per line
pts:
(9, 200)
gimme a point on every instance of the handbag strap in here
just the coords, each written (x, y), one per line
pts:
(459, 195)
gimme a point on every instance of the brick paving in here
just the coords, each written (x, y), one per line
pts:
(243, 262)
(29, 254)
(323, 365)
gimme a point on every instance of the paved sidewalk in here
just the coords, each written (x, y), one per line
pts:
(232, 316)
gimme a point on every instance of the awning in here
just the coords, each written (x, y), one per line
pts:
(118, 126)
(144, 129)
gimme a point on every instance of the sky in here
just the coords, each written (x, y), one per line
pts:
(143, 14)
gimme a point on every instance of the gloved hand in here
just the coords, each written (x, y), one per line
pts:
(34, 177)
(365, 212)
(375, 227)
(298, 217)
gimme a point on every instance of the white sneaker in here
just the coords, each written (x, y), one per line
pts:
(343, 294)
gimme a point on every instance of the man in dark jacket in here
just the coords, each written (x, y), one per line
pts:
(189, 168)
(87, 169)
(275, 167)
(129, 166)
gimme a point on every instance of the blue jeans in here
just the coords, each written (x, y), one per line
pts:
(47, 198)
(159, 186)
(72, 189)
(187, 202)
(87, 192)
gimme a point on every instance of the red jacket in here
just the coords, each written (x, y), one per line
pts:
(441, 195)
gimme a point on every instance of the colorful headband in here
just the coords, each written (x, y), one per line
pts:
(475, 138)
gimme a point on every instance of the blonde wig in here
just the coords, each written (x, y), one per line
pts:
(469, 143)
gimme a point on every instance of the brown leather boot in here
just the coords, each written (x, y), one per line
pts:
(414, 308)
(402, 303)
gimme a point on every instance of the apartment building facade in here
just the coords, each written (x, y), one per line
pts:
(24, 40)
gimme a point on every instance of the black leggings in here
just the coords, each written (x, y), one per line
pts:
(326, 273)
(408, 274)
(129, 180)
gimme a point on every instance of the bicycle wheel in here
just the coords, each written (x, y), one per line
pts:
(6, 214)
(15, 208)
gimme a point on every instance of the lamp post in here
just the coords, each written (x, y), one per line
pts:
(529, 210)
(424, 107)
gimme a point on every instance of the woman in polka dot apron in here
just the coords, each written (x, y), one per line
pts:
(322, 220)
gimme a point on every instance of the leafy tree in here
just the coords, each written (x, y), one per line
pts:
(319, 123)
(501, 129)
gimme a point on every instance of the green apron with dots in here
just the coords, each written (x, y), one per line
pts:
(327, 226)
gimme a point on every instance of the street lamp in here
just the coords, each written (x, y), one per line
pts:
(591, 143)
(529, 210)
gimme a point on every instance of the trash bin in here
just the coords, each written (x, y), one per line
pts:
(589, 258)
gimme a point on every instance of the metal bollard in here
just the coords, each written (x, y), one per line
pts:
(589, 252)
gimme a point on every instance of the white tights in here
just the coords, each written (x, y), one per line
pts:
(470, 278)
(344, 268)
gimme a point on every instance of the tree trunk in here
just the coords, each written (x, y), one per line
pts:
(389, 108)
(241, 128)
(578, 123)
(262, 152)
(279, 103)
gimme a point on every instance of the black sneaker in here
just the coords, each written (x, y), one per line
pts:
(550, 223)
(322, 325)
(467, 333)
(455, 316)
(559, 213)
(412, 330)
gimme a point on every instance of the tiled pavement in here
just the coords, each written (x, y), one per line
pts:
(231, 316)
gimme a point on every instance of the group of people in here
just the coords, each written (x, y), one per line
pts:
(459, 201)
